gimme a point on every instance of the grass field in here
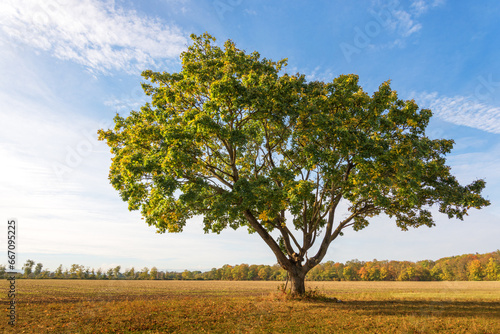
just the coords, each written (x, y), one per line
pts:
(75, 306)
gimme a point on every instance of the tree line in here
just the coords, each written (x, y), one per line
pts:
(467, 267)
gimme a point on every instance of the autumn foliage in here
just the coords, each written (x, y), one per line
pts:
(467, 267)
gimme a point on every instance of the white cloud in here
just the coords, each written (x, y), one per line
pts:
(419, 6)
(406, 26)
(95, 34)
(462, 110)
(422, 6)
(318, 73)
(401, 21)
(132, 100)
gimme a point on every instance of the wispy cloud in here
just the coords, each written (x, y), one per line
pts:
(400, 20)
(419, 7)
(405, 24)
(462, 110)
(132, 100)
(95, 34)
(391, 19)
(250, 11)
(318, 73)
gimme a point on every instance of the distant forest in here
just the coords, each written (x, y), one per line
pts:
(468, 267)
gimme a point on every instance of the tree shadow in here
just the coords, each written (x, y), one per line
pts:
(452, 309)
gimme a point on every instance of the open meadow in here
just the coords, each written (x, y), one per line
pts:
(120, 306)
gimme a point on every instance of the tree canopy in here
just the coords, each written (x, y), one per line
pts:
(235, 138)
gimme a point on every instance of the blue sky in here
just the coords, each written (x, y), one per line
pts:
(67, 66)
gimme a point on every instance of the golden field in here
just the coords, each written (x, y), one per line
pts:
(120, 306)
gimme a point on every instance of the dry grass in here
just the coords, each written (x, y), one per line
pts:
(74, 306)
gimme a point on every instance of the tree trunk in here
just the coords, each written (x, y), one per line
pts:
(297, 279)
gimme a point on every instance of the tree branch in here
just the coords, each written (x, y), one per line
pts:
(282, 259)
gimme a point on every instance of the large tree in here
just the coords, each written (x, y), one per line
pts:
(234, 138)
